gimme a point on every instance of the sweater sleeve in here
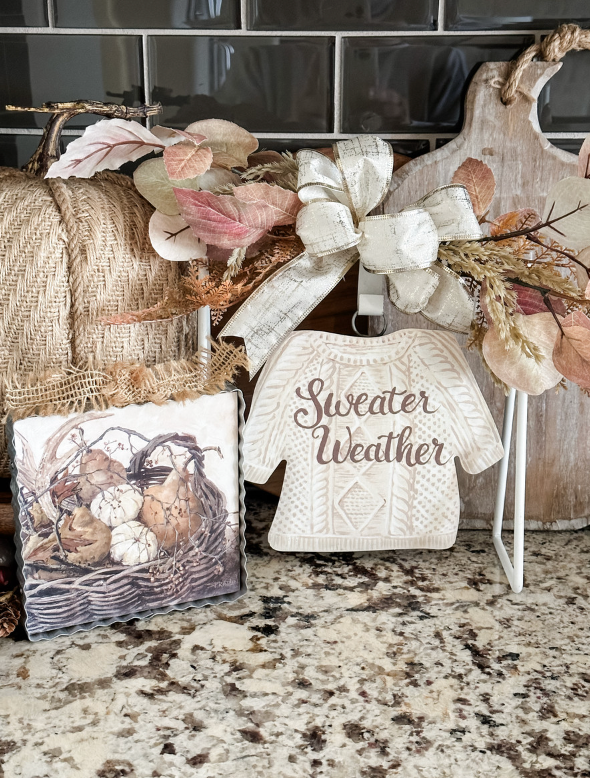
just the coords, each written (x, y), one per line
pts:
(477, 441)
(475, 437)
(264, 433)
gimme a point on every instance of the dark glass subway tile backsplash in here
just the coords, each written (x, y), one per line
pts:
(16, 150)
(515, 14)
(268, 84)
(38, 68)
(23, 13)
(413, 84)
(344, 15)
(564, 104)
(288, 70)
(192, 14)
(573, 145)
(409, 148)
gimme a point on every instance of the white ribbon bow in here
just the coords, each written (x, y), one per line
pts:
(336, 230)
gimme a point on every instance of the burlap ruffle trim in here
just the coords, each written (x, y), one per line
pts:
(80, 389)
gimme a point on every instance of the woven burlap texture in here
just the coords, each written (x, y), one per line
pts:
(75, 390)
(71, 252)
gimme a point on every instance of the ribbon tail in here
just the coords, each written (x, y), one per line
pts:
(450, 306)
(282, 302)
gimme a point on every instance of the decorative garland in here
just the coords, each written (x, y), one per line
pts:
(220, 200)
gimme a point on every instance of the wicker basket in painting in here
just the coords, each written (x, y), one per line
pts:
(199, 555)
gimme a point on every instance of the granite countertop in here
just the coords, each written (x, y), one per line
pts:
(412, 663)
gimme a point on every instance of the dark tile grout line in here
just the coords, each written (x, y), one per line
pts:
(229, 32)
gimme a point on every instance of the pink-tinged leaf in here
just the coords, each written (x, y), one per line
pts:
(173, 239)
(187, 160)
(514, 221)
(576, 319)
(479, 181)
(531, 301)
(558, 305)
(584, 159)
(285, 203)
(152, 181)
(571, 353)
(515, 368)
(231, 144)
(169, 136)
(223, 220)
(106, 145)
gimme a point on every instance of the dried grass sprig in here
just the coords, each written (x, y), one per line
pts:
(284, 173)
(234, 263)
(509, 262)
(484, 263)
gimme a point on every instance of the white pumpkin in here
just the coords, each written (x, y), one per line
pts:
(117, 504)
(133, 544)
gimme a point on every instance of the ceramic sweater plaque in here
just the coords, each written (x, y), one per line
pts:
(369, 430)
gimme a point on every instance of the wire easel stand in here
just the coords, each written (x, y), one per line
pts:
(514, 569)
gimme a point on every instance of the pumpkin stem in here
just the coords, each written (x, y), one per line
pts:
(48, 150)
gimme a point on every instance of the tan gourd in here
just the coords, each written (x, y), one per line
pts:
(98, 471)
(85, 539)
(171, 510)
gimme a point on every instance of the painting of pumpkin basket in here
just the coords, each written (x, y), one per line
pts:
(128, 512)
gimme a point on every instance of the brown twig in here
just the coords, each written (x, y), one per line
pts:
(174, 234)
(113, 110)
(536, 240)
(551, 309)
(48, 150)
(546, 290)
(536, 227)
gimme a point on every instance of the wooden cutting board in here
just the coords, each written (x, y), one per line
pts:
(525, 166)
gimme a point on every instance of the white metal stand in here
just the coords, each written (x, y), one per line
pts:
(514, 572)
(203, 318)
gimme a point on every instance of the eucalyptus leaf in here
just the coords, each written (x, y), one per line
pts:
(569, 196)
(174, 240)
(152, 182)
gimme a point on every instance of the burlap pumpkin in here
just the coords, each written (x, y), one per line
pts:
(72, 251)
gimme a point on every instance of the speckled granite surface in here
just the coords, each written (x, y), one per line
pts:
(415, 663)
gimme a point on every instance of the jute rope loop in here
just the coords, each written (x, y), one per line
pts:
(567, 37)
